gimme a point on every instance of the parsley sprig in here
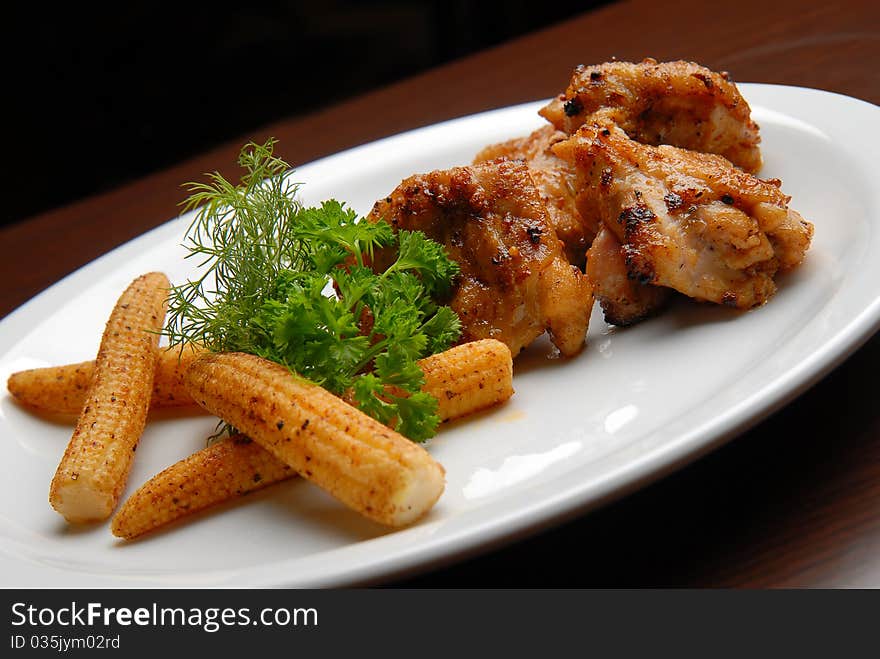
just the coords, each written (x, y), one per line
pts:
(293, 285)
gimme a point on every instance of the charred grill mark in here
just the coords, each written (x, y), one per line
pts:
(572, 107)
(632, 217)
(673, 201)
(638, 268)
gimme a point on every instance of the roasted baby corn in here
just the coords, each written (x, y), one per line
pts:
(464, 379)
(63, 389)
(92, 473)
(54, 389)
(364, 464)
(469, 377)
(231, 467)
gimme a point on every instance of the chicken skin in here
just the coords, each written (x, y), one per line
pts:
(677, 103)
(624, 300)
(555, 180)
(686, 220)
(515, 281)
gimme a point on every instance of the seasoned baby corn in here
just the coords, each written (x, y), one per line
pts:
(63, 389)
(92, 473)
(54, 389)
(469, 377)
(364, 464)
(231, 467)
(464, 379)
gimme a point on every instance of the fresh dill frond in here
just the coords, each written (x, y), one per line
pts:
(244, 237)
(266, 265)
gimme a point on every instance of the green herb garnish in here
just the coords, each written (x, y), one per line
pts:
(293, 285)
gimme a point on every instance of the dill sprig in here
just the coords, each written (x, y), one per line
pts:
(244, 235)
(293, 285)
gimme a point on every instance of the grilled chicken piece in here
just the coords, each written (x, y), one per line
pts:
(624, 301)
(515, 282)
(677, 103)
(555, 180)
(687, 220)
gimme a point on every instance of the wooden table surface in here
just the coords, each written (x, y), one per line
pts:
(793, 502)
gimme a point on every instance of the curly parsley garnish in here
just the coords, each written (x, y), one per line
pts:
(293, 285)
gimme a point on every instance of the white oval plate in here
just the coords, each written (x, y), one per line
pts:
(636, 404)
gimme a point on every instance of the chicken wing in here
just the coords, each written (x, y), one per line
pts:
(515, 282)
(555, 180)
(624, 300)
(686, 220)
(677, 103)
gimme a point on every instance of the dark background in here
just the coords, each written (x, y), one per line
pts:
(102, 96)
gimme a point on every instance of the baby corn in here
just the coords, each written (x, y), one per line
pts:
(231, 467)
(63, 389)
(92, 473)
(465, 379)
(55, 389)
(169, 385)
(469, 377)
(364, 464)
